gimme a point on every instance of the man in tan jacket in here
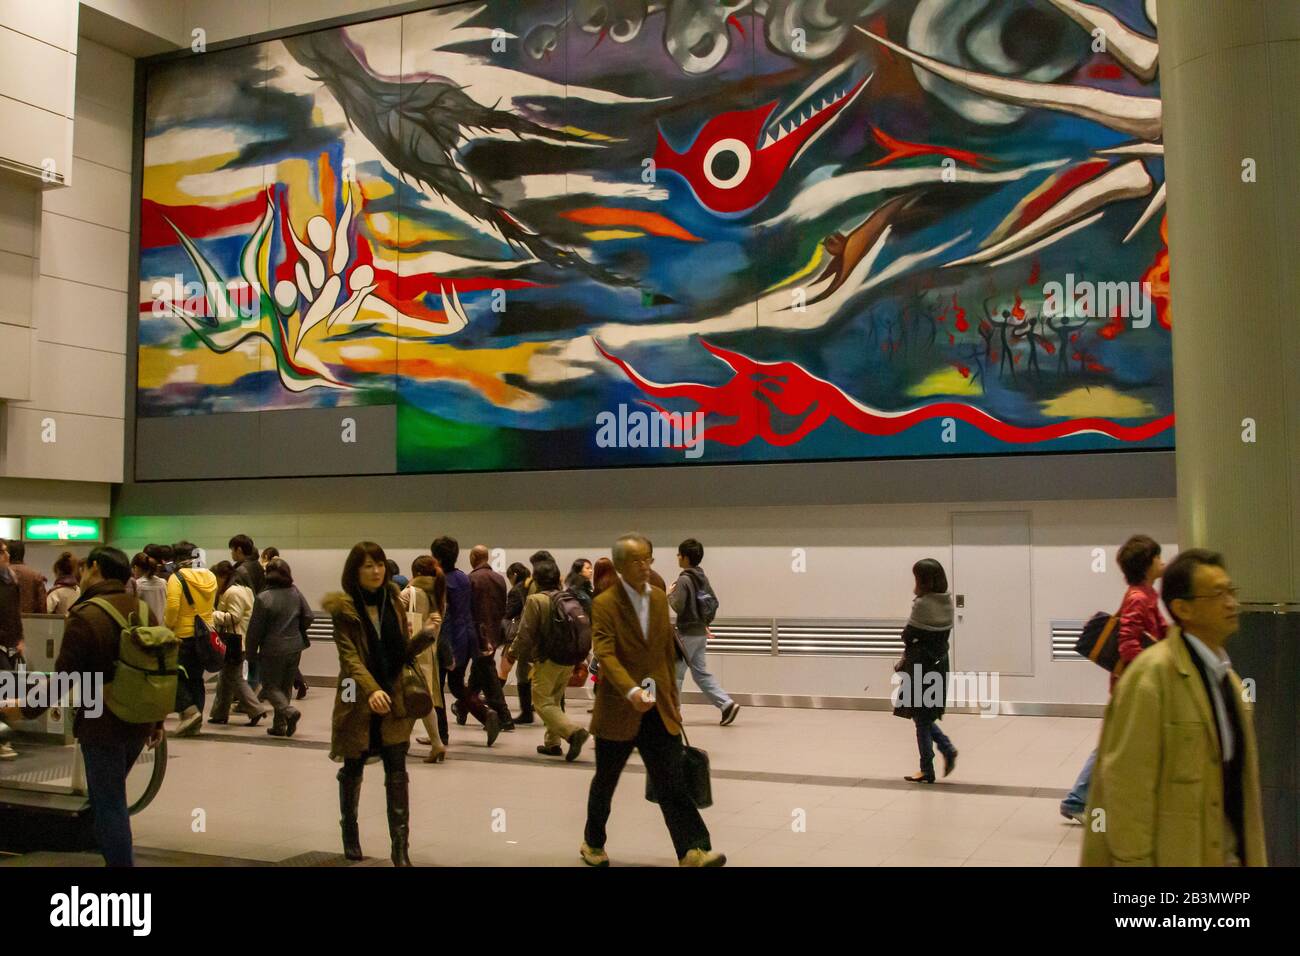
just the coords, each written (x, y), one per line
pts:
(637, 706)
(1177, 775)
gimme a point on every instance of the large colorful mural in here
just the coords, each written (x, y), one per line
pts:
(603, 232)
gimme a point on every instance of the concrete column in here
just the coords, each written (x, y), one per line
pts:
(1230, 85)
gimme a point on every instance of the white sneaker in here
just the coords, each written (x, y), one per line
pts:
(7, 752)
(729, 714)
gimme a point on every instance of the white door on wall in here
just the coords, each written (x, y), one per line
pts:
(991, 587)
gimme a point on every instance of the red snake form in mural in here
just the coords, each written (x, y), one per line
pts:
(759, 388)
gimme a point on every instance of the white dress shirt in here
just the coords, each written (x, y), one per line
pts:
(1217, 666)
(641, 604)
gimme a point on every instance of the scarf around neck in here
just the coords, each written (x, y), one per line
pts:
(388, 647)
(932, 612)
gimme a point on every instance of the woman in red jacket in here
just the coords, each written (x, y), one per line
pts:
(1140, 626)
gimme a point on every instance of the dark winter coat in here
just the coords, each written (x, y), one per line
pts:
(459, 620)
(280, 619)
(488, 593)
(921, 688)
(350, 724)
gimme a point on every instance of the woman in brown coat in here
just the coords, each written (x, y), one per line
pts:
(370, 721)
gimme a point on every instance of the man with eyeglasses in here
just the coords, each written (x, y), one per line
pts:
(1177, 775)
(637, 707)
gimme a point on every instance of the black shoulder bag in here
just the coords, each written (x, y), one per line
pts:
(695, 771)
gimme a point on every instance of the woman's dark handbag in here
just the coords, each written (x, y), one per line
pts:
(208, 645)
(234, 647)
(695, 770)
(416, 699)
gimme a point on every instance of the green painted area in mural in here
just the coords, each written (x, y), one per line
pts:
(430, 442)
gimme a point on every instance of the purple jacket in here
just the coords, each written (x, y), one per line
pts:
(459, 623)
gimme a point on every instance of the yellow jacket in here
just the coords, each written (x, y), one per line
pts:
(180, 616)
(1158, 776)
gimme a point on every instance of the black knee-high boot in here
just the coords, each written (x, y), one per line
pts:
(397, 786)
(525, 703)
(349, 799)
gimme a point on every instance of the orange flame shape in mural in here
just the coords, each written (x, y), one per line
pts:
(1158, 276)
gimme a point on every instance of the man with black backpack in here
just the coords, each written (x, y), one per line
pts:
(555, 633)
(696, 605)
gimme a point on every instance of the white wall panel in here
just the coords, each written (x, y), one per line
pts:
(106, 76)
(17, 278)
(102, 134)
(98, 194)
(84, 252)
(72, 313)
(161, 18)
(36, 73)
(33, 135)
(19, 215)
(81, 381)
(50, 21)
(15, 362)
(87, 449)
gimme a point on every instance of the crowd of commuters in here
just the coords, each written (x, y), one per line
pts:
(1173, 781)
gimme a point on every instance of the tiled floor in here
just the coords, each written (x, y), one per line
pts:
(791, 788)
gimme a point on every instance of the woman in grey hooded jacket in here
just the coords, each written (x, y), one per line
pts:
(921, 681)
(276, 635)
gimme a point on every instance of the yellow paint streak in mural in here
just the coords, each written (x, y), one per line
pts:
(375, 188)
(295, 175)
(481, 369)
(588, 134)
(160, 182)
(158, 366)
(945, 381)
(411, 234)
(813, 263)
(1099, 401)
(602, 235)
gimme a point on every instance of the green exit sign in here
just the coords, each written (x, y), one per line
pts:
(63, 529)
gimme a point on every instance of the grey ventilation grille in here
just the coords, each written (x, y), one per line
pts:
(322, 627)
(743, 636)
(840, 638)
(1065, 634)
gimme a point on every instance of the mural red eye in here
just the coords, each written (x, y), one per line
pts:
(727, 163)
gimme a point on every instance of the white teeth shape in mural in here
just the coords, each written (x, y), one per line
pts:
(1157, 203)
(1129, 180)
(1138, 116)
(1136, 53)
(452, 307)
(1134, 149)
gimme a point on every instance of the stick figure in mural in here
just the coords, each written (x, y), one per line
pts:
(1005, 322)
